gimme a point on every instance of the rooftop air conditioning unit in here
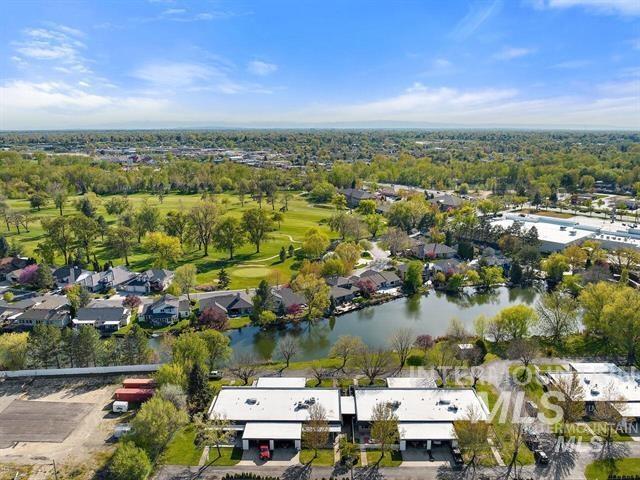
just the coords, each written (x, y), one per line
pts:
(444, 402)
(594, 392)
(252, 401)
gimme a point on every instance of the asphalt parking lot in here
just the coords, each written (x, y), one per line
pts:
(40, 421)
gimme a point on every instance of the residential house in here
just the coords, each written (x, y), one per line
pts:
(69, 275)
(105, 318)
(448, 266)
(403, 267)
(233, 304)
(11, 264)
(47, 310)
(166, 311)
(447, 202)
(355, 195)
(154, 280)
(114, 277)
(381, 280)
(423, 249)
(340, 295)
(286, 299)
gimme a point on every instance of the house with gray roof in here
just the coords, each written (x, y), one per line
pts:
(107, 319)
(165, 311)
(355, 195)
(154, 280)
(233, 304)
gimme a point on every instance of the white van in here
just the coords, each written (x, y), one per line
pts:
(120, 406)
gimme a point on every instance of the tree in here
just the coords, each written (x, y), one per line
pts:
(199, 393)
(120, 242)
(315, 291)
(37, 200)
(171, 374)
(58, 194)
(215, 318)
(44, 346)
(244, 368)
(88, 204)
(375, 224)
(117, 205)
(185, 279)
(349, 253)
(288, 348)
(576, 256)
(59, 235)
(554, 266)
(366, 207)
(516, 321)
(212, 430)
(133, 348)
(257, 224)
(164, 249)
(43, 278)
(319, 372)
(154, 425)
(129, 463)
(444, 359)
(85, 230)
(146, 220)
(345, 348)
(384, 426)
(176, 224)
(402, 341)
(278, 218)
(218, 349)
(557, 316)
(322, 192)
(229, 235)
(472, 435)
(396, 240)
(491, 276)
(13, 350)
(223, 278)
(412, 282)
(373, 362)
(424, 343)
(173, 393)
(622, 319)
(315, 243)
(524, 350)
(282, 254)
(569, 394)
(315, 435)
(189, 350)
(349, 453)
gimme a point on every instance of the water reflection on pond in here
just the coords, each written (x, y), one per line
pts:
(426, 314)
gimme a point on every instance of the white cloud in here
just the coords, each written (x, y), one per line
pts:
(509, 53)
(58, 44)
(174, 11)
(572, 64)
(258, 67)
(617, 7)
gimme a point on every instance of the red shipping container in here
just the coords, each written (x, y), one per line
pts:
(139, 383)
(134, 394)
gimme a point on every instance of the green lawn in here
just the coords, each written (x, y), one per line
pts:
(239, 322)
(601, 469)
(228, 456)
(313, 383)
(392, 458)
(324, 458)
(247, 268)
(182, 449)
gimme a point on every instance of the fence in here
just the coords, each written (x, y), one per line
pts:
(86, 371)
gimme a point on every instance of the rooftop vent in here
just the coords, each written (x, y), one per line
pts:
(444, 402)
(251, 401)
(595, 391)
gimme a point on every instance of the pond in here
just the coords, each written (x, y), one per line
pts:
(424, 314)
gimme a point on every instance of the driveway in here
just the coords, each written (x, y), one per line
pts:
(280, 457)
(418, 457)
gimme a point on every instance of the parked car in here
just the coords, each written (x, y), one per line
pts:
(265, 453)
(215, 375)
(120, 406)
(541, 457)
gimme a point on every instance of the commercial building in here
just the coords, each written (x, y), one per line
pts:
(556, 234)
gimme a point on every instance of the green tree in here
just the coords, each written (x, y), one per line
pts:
(257, 224)
(218, 349)
(133, 347)
(164, 250)
(555, 266)
(223, 278)
(85, 230)
(59, 235)
(384, 426)
(117, 205)
(176, 224)
(190, 350)
(154, 425)
(185, 279)
(315, 243)
(517, 321)
(43, 278)
(13, 350)
(491, 276)
(119, 242)
(129, 463)
(44, 346)
(37, 200)
(202, 222)
(229, 235)
(413, 277)
(346, 348)
(147, 219)
(366, 207)
(171, 374)
(59, 194)
(315, 291)
(199, 393)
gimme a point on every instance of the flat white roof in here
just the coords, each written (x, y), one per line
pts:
(281, 382)
(410, 382)
(427, 431)
(421, 404)
(628, 409)
(548, 232)
(347, 405)
(605, 387)
(272, 431)
(594, 367)
(246, 404)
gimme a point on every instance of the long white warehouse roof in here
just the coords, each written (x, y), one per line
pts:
(604, 387)
(421, 404)
(245, 404)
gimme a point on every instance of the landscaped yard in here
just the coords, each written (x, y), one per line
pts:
(324, 457)
(182, 449)
(247, 268)
(601, 469)
(228, 456)
(313, 383)
(391, 458)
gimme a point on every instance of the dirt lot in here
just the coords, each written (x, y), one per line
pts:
(74, 439)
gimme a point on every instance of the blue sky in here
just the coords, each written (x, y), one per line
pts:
(174, 63)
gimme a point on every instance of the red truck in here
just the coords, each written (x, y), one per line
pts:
(265, 453)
